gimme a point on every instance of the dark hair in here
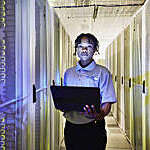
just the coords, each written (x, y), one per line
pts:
(92, 39)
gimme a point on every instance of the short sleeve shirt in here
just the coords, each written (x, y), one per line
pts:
(93, 75)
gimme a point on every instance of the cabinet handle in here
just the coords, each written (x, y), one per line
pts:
(144, 86)
(34, 93)
(130, 83)
(115, 78)
(122, 79)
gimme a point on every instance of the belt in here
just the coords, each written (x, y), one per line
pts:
(93, 123)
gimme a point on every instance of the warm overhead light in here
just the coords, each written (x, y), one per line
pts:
(86, 2)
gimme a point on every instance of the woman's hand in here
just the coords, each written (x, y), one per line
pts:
(90, 112)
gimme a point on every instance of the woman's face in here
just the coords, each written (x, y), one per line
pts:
(85, 50)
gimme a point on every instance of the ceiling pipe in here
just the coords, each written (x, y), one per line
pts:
(95, 12)
(111, 5)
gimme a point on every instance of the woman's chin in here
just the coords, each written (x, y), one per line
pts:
(85, 58)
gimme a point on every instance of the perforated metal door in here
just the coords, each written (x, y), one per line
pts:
(9, 123)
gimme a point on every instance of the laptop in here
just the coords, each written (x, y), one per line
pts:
(72, 98)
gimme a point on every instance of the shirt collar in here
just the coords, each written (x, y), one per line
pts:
(90, 67)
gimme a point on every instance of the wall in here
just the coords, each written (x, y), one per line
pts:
(59, 58)
(133, 76)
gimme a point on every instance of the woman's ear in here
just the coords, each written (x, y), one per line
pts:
(74, 54)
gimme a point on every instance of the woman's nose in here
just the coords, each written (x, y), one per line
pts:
(84, 48)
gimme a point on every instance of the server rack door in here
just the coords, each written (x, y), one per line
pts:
(15, 75)
(40, 77)
(137, 81)
(54, 71)
(126, 79)
(8, 102)
(57, 77)
(114, 57)
(146, 76)
(37, 76)
(25, 74)
(118, 79)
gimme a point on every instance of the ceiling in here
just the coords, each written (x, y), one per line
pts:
(103, 18)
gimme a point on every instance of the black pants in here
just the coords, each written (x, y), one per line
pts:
(91, 136)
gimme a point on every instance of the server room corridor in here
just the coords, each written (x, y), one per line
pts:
(37, 46)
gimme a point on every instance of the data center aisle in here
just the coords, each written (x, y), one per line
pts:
(116, 139)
